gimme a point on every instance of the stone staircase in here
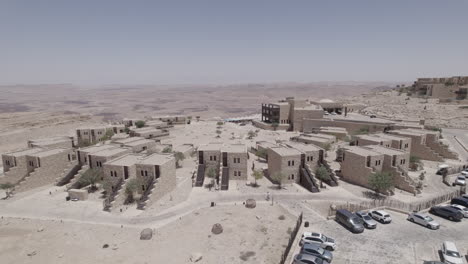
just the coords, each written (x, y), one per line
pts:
(68, 174)
(200, 175)
(403, 181)
(442, 150)
(308, 181)
(13, 176)
(225, 178)
(73, 184)
(110, 201)
(142, 202)
(334, 180)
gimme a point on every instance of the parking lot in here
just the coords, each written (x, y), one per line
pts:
(398, 242)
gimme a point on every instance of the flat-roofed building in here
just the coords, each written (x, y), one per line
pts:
(234, 158)
(83, 153)
(137, 144)
(94, 134)
(148, 132)
(157, 124)
(286, 161)
(51, 142)
(359, 163)
(312, 156)
(172, 120)
(15, 165)
(442, 88)
(425, 144)
(96, 160)
(319, 139)
(384, 139)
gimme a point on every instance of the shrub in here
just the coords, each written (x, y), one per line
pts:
(140, 123)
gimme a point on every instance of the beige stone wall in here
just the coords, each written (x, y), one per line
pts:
(284, 114)
(301, 114)
(266, 126)
(312, 159)
(239, 167)
(419, 148)
(118, 172)
(432, 141)
(351, 127)
(50, 168)
(151, 146)
(365, 142)
(403, 144)
(13, 174)
(354, 169)
(212, 163)
(166, 182)
(64, 144)
(277, 163)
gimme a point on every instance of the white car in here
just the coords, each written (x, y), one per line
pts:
(424, 220)
(460, 180)
(460, 208)
(464, 173)
(381, 216)
(318, 239)
(450, 253)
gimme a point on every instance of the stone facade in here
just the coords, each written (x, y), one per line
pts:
(286, 161)
(441, 88)
(92, 135)
(419, 147)
(53, 142)
(312, 155)
(172, 120)
(358, 164)
(235, 157)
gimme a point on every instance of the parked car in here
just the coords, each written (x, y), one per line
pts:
(381, 216)
(333, 113)
(433, 262)
(308, 259)
(317, 251)
(462, 209)
(447, 212)
(450, 253)
(373, 116)
(465, 196)
(318, 239)
(349, 220)
(462, 200)
(423, 219)
(368, 221)
(326, 113)
(460, 180)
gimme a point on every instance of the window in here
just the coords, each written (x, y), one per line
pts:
(292, 176)
(214, 158)
(292, 162)
(141, 172)
(238, 173)
(112, 173)
(31, 163)
(289, 163)
(146, 173)
(235, 173)
(115, 173)
(7, 162)
(211, 158)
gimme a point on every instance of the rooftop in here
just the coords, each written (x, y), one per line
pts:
(384, 150)
(50, 140)
(406, 132)
(110, 152)
(313, 138)
(303, 147)
(24, 152)
(234, 148)
(266, 144)
(211, 147)
(48, 152)
(389, 136)
(333, 128)
(93, 149)
(373, 137)
(145, 130)
(128, 140)
(127, 160)
(139, 142)
(284, 151)
(156, 159)
(361, 151)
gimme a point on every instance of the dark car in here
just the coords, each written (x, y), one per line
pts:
(350, 220)
(447, 212)
(460, 200)
(317, 251)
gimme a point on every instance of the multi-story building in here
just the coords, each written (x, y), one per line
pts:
(426, 145)
(386, 140)
(172, 120)
(137, 144)
(443, 88)
(229, 162)
(35, 167)
(95, 134)
(52, 142)
(286, 161)
(148, 132)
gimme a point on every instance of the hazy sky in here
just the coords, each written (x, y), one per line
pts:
(235, 41)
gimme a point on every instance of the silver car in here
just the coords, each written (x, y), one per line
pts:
(461, 208)
(424, 220)
(368, 221)
(308, 259)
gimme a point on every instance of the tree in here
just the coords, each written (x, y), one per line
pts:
(130, 188)
(167, 149)
(127, 130)
(278, 178)
(327, 147)
(108, 135)
(8, 188)
(322, 174)
(251, 134)
(218, 132)
(257, 174)
(179, 156)
(415, 161)
(275, 125)
(220, 123)
(261, 153)
(211, 174)
(381, 181)
(140, 123)
(90, 177)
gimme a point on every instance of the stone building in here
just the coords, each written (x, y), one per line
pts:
(286, 161)
(425, 144)
(442, 88)
(148, 132)
(229, 162)
(95, 134)
(35, 167)
(359, 163)
(386, 140)
(319, 139)
(172, 120)
(52, 142)
(312, 156)
(136, 144)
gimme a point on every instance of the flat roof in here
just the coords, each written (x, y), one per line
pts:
(266, 144)
(211, 147)
(139, 142)
(48, 152)
(361, 151)
(303, 147)
(372, 138)
(50, 140)
(146, 129)
(128, 140)
(156, 159)
(321, 135)
(234, 148)
(93, 149)
(126, 160)
(422, 131)
(24, 152)
(384, 150)
(333, 128)
(389, 136)
(99, 126)
(284, 151)
(109, 152)
(183, 147)
(318, 139)
(406, 132)
(309, 107)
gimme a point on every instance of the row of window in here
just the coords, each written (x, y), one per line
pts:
(290, 162)
(237, 173)
(213, 158)
(291, 177)
(7, 162)
(403, 161)
(310, 158)
(113, 173)
(378, 162)
(99, 164)
(236, 160)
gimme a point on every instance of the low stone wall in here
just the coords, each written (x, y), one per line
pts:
(266, 126)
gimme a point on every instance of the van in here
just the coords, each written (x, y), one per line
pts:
(349, 220)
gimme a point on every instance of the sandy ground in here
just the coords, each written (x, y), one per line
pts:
(249, 236)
